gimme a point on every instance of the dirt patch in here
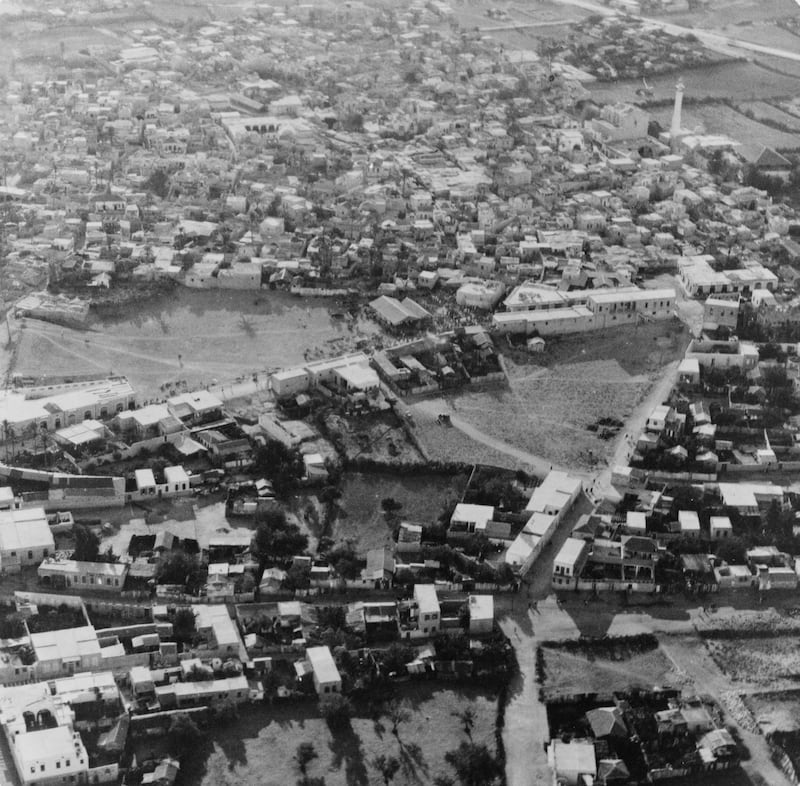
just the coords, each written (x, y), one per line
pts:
(566, 673)
(379, 437)
(259, 748)
(360, 518)
(775, 710)
(758, 661)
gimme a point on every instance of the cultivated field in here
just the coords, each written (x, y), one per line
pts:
(258, 750)
(736, 81)
(760, 662)
(761, 110)
(721, 119)
(194, 336)
(360, 518)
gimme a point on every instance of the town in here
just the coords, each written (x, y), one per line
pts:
(399, 394)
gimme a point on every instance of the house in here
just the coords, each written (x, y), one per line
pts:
(720, 527)
(63, 652)
(556, 495)
(471, 518)
(396, 314)
(25, 539)
(324, 672)
(203, 693)
(569, 562)
(573, 762)
(481, 614)
(93, 576)
(429, 611)
(688, 524)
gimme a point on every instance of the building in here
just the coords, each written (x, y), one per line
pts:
(203, 693)
(25, 539)
(60, 653)
(720, 312)
(572, 762)
(429, 611)
(92, 576)
(569, 562)
(324, 672)
(396, 314)
(723, 354)
(556, 495)
(481, 614)
(720, 527)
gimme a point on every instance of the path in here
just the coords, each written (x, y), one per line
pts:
(432, 407)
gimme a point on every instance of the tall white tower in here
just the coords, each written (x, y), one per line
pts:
(675, 128)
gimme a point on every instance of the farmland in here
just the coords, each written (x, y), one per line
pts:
(259, 748)
(360, 518)
(763, 111)
(775, 710)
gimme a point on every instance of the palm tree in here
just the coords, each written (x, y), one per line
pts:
(467, 718)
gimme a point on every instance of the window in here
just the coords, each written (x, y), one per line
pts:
(13, 553)
(41, 767)
(30, 555)
(66, 763)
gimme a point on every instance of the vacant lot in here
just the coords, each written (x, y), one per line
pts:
(567, 673)
(192, 336)
(775, 710)
(377, 437)
(258, 750)
(721, 119)
(360, 517)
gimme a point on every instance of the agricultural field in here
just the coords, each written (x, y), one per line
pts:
(762, 110)
(360, 518)
(736, 81)
(197, 337)
(568, 673)
(721, 119)
(259, 748)
(757, 661)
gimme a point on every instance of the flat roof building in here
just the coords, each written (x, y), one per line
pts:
(25, 538)
(323, 668)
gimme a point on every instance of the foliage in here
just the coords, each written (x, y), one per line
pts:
(179, 567)
(344, 560)
(158, 183)
(390, 505)
(474, 764)
(87, 544)
(336, 710)
(305, 754)
(282, 465)
(387, 766)
(184, 736)
(184, 625)
(467, 718)
(732, 551)
(398, 713)
(12, 627)
(276, 539)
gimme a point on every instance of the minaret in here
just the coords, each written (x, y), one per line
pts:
(675, 128)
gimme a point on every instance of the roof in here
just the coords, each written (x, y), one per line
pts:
(176, 475)
(571, 551)
(69, 645)
(720, 522)
(145, 478)
(25, 529)
(688, 520)
(556, 491)
(46, 746)
(323, 665)
(396, 313)
(606, 722)
(576, 756)
(109, 569)
(427, 599)
(481, 607)
(478, 515)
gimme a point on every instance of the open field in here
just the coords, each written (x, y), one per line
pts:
(572, 673)
(721, 119)
(775, 710)
(189, 335)
(554, 398)
(736, 81)
(359, 515)
(258, 749)
(761, 110)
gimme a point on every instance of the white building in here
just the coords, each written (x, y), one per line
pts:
(429, 618)
(324, 672)
(25, 539)
(569, 562)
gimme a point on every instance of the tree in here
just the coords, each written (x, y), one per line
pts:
(336, 710)
(387, 766)
(732, 551)
(329, 495)
(467, 718)
(158, 183)
(184, 625)
(304, 755)
(391, 505)
(87, 544)
(398, 713)
(443, 780)
(184, 736)
(283, 466)
(179, 567)
(277, 539)
(474, 764)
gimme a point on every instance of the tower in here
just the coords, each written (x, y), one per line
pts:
(675, 127)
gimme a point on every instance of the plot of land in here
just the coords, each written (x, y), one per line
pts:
(361, 519)
(567, 673)
(762, 110)
(737, 81)
(192, 336)
(721, 119)
(758, 661)
(775, 710)
(258, 750)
